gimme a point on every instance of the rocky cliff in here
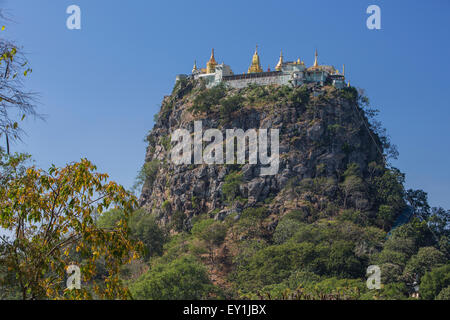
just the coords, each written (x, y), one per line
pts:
(329, 154)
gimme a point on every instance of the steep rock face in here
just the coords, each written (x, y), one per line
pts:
(321, 134)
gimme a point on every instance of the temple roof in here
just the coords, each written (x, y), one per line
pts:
(256, 65)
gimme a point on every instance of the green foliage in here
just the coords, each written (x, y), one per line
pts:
(391, 273)
(230, 188)
(256, 92)
(230, 105)
(318, 186)
(398, 249)
(180, 85)
(335, 128)
(145, 228)
(389, 189)
(353, 183)
(213, 232)
(9, 288)
(273, 264)
(165, 142)
(286, 228)
(297, 215)
(391, 257)
(434, 281)
(250, 223)
(110, 219)
(397, 242)
(276, 94)
(301, 278)
(279, 93)
(166, 206)
(323, 232)
(342, 261)
(177, 220)
(322, 250)
(349, 93)
(175, 247)
(182, 279)
(417, 231)
(147, 174)
(299, 95)
(392, 291)
(427, 258)
(444, 294)
(209, 98)
(386, 215)
(350, 288)
(166, 108)
(439, 223)
(253, 213)
(195, 202)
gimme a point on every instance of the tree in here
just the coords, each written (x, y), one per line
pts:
(274, 264)
(109, 219)
(209, 98)
(418, 200)
(389, 189)
(393, 291)
(342, 261)
(52, 218)
(415, 230)
(386, 215)
(390, 273)
(229, 105)
(285, 229)
(145, 229)
(444, 294)
(15, 102)
(147, 174)
(426, 259)
(400, 243)
(211, 232)
(182, 279)
(230, 188)
(434, 281)
(353, 184)
(439, 224)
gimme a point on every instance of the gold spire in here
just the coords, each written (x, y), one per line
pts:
(316, 62)
(299, 61)
(211, 65)
(280, 62)
(195, 66)
(212, 59)
(256, 65)
(343, 70)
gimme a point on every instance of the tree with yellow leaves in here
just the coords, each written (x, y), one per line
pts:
(51, 219)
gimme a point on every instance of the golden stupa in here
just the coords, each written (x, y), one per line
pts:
(256, 65)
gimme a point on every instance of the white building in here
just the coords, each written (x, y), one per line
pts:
(294, 73)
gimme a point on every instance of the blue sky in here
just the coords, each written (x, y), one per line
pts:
(100, 86)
